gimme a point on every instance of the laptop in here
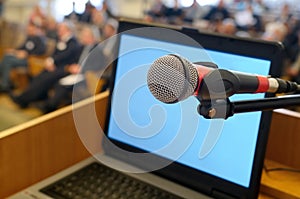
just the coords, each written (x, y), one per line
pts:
(170, 146)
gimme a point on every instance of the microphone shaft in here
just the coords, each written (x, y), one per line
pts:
(266, 103)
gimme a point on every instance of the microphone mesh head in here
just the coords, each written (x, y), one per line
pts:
(172, 79)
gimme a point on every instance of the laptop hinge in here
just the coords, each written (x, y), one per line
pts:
(221, 195)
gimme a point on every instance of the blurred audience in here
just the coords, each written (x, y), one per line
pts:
(174, 14)
(88, 38)
(156, 11)
(38, 17)
(259, 7)
(94, 58)
(285, 16)
(294, 70)
(193, 13)
(218, 13)
(227, 27)
(65, 54)
(100, 17)
(247, 20)
(275, 31)
(86, 16)
(50, 29)
(34, 44)
(242, 18)
(73, 16)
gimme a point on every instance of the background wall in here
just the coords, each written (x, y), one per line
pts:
(18, 10)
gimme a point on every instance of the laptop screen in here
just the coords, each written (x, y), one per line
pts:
(225, 149)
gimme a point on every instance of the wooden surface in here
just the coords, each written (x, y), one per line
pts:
(264, 196)
(283, 151)
(280, 184)
(284, 138)
(39, 148)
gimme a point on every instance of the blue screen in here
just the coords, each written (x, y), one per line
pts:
(223, 148)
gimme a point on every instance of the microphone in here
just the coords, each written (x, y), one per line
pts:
(172, 78)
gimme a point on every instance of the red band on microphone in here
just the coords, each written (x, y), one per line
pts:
(263, 84)
(202, 72)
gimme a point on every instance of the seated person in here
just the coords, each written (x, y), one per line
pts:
(193, 13)
(174, 14)
(217, 13)
(56, 67)
(247, 20)
(227, 27)
(34, 44)
(96, 61)
(293, 71)
(156, 11)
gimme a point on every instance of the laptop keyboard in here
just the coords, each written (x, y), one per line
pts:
(97, 181)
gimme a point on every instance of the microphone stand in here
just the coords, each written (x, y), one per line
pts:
(220, 84)
(224, 108)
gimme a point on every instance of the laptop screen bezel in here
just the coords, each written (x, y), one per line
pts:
(200, 181)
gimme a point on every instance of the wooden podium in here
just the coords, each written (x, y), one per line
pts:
(46, 145)
(283, 151)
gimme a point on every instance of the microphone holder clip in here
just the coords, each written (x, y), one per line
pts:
(224, 108)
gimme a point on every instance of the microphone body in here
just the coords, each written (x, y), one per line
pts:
(172, 78)
(220, 84)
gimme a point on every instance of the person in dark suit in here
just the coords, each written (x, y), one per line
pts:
(34, 44)
(56, 66)
(95, 61)
(174, 14)
(89, 38)
(217, 13)
(293, 71)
